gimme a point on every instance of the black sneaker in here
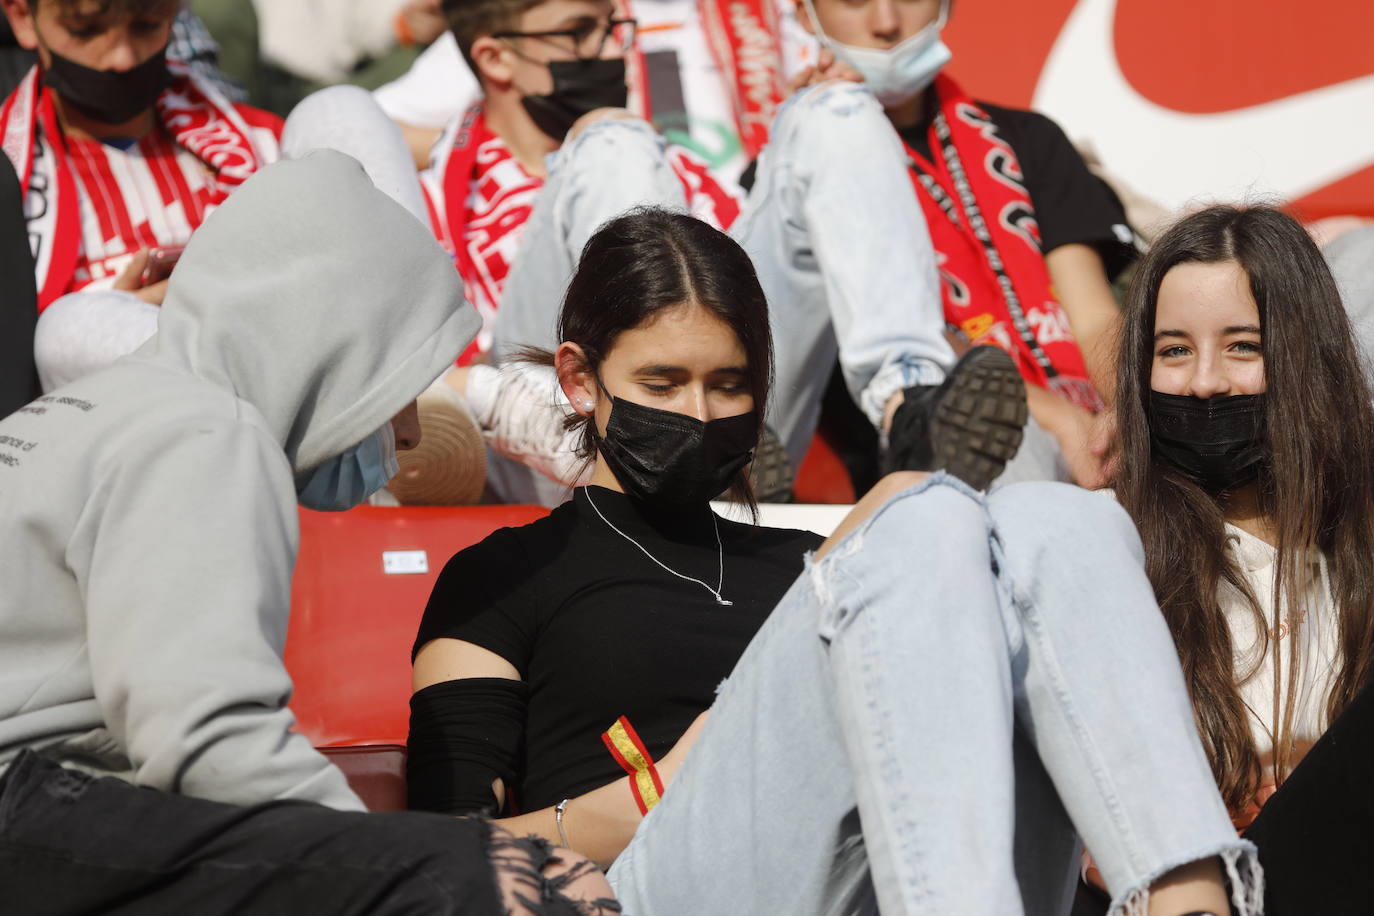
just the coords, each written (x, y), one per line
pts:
(969, 426)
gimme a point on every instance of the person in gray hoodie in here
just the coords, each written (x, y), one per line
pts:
(148, 531)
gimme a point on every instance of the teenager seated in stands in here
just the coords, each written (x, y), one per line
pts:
(1027, 237)
(119, 152)
(829, 204)
(921, 714)
(148, 760)
(542, 65)
(1246, 430)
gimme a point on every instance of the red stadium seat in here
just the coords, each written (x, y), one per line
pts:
(361, 582)
(822, 477)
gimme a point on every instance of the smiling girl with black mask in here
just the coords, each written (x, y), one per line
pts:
(1247, 462)
(813, 726)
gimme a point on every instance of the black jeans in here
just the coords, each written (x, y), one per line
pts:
(1315, 834)
(73, 844)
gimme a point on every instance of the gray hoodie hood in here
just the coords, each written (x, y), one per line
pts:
(317, 299)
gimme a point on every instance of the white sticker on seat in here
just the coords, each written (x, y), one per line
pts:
(404, 562)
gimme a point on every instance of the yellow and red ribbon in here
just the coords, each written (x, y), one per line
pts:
(629, 751)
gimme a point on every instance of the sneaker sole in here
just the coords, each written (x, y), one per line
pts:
(449, 466)
(979, 423)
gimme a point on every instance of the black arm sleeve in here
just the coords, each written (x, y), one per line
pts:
(463, 735)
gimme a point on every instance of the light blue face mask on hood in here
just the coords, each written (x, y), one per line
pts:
(897, 74)
(347, 480)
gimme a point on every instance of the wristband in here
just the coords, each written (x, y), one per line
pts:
(628, 750)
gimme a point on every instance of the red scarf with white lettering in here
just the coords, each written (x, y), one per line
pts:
(996, 286)
(505, 195)
(197, 119)
(745, 38)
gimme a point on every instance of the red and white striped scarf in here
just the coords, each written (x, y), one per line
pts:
(987, 241)
(479, 197)
(90, 207)
(745, 37)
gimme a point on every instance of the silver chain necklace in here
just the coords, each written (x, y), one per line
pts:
(720, 552)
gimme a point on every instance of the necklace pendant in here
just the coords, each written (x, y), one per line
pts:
(723, 602)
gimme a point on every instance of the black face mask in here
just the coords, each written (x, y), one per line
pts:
(1218, 442)
(108, 96)
(579, 86)
(671, 459)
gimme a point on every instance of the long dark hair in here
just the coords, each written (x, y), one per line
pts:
(649, 260)
(1316, 486)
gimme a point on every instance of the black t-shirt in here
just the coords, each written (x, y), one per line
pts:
(1072, 205)
(598, 630)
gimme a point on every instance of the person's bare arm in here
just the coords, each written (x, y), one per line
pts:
(1081, 285)
(599, 823)
(1075, 430)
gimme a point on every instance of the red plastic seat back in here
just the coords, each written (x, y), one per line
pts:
(356, 602)
(822, 477)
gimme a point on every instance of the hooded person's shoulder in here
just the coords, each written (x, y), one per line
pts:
(193, 442)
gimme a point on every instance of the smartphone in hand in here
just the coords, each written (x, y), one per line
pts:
(160, 263)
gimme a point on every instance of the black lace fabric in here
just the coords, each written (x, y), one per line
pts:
(536, 879)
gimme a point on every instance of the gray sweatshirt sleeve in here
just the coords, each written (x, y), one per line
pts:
(187, 553)
(85, 332)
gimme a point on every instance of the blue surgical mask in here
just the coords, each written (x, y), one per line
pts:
(897, 74)
(347, 480)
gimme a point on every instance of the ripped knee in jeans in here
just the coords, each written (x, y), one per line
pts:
(535, 878)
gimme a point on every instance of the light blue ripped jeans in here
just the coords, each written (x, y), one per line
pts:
(842, 251)
(832, 226)
(930, 719)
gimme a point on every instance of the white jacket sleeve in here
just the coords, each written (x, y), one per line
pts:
(85, 332)
(521, 410)
(187, 552)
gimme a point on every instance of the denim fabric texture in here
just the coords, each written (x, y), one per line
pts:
(842, 251)
(933, 716)
(823, 258)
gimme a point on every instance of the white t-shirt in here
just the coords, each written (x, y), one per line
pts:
(435, 88)
(1318, 640)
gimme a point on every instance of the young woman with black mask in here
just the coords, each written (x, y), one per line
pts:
(1246, 433)
(919, 716)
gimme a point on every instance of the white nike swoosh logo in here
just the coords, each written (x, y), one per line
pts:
(1289, 147)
